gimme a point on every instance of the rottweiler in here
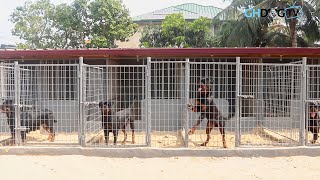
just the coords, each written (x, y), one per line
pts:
(205, 105)
(113, 121)
(31, 119)
(313, 120)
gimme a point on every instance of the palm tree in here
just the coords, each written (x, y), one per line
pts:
(261, 31)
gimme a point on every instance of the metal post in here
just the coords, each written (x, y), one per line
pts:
(303, 132)
(81, 105)
(148, 111)
(17, 103)
(260, 101)
(186, 95)
(237, 103)
(2, 80)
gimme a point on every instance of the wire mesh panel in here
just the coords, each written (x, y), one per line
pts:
(313, 105)
(7, 92)
(270, 107)
(114, 103)
(168, 103)
(212, 93)
(49, 103)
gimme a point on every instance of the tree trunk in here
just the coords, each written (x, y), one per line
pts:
(293, 32)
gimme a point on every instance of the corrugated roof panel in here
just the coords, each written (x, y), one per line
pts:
(189, 11)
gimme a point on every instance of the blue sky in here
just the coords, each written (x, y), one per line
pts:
(136, 7)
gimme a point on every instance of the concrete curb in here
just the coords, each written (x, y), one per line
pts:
(162, 153)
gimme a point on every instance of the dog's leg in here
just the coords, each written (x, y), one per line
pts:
(52, 134)
(124, 134)
(106, 135)
(315, 137)
(221, 128)
(23, 136)
(132, 129)
(208, 131)
(193, 129)
(12, 131)
(315, 131)
(47, 129)
(115, 136)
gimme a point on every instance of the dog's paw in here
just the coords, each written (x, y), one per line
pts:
(203, 144)
(191, 131)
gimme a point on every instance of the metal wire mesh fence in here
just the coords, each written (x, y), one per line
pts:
(7, 91)
(160, 102)
(213, 85)
(312, 105)
(114, 96)
(167, 102)
(272, 114)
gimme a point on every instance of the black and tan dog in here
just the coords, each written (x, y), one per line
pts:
(313, 123)
(31, 119)
(205, 105)
(113, 121)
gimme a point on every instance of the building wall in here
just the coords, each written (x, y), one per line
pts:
(133, 41)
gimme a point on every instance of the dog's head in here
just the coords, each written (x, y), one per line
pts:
(105, 107)
(7, 106)
(313, 110)
(205, 86)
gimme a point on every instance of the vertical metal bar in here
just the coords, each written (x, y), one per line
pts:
(187, 87)
(303, 132)
(17, 102)
(80, 100)
(162, 78)
(237, 103)
(260, 100)
(2, 80)
(292, 111)
(148, 111)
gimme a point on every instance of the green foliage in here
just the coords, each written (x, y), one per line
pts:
(255, 32)
(22, 46)
(43, 25)
(33, 23)
(175, 31)
(152, 37)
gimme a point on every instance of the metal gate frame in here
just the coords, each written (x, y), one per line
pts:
(309, 98)
(301, 139)
(83, 103)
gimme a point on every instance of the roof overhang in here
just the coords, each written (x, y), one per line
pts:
(159, 52)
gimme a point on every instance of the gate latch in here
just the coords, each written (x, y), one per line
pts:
(88, 103)
(22, 128)
(246, 96)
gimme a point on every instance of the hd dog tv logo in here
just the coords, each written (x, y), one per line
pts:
(291, 11)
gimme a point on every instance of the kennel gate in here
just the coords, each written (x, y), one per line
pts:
(270, 104)
(312, 100)
(124, 86)
(42, 86)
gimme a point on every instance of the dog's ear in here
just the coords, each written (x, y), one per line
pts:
(109, 104)
(203, 81)
(100, 104)
(211, 80)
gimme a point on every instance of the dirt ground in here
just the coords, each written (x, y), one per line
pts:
(193, 168)
(162, 139)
